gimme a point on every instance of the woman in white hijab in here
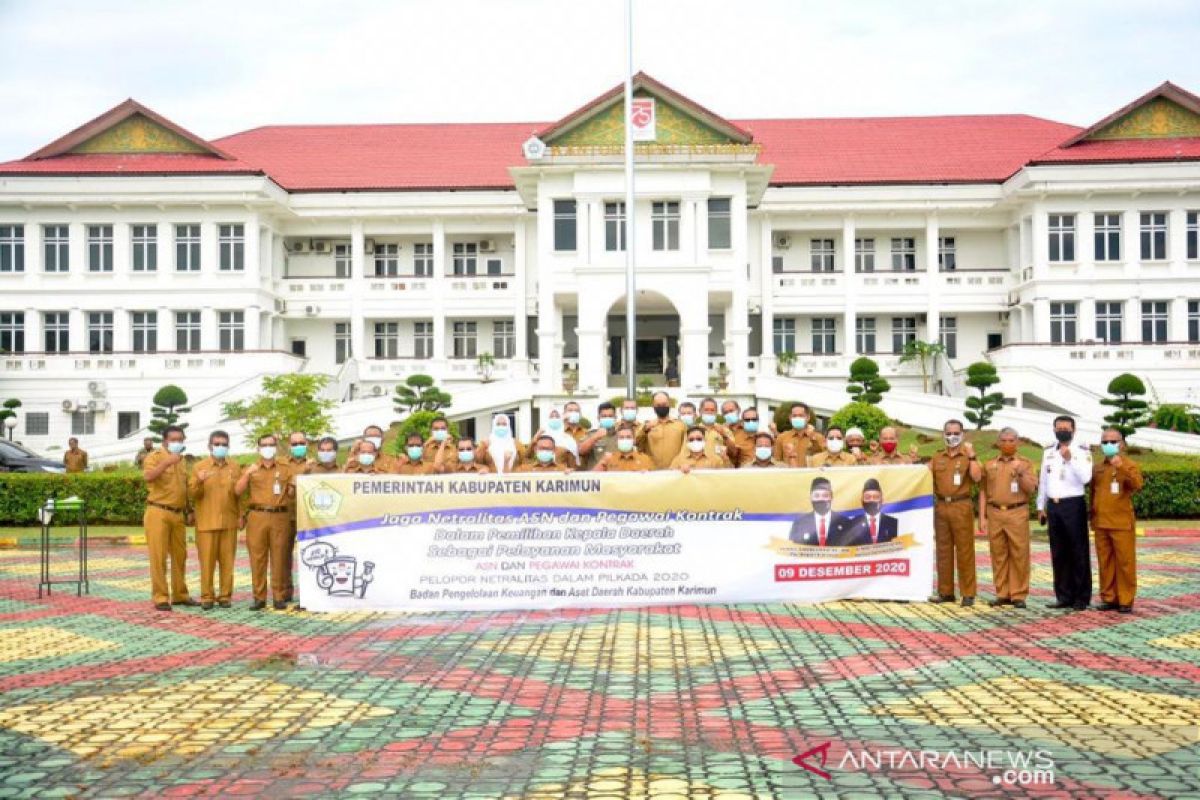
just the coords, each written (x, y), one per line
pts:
(562, 439)
(501, 448)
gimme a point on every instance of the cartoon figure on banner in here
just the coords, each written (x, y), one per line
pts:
(340, 576)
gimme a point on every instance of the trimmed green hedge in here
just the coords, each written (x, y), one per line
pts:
(1171, 492)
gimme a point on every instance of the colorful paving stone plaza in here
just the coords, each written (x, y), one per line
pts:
(101, 696)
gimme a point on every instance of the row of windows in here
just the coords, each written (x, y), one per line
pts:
(83, 423)
(1153, 229)
(56, 248)
(823, 255)
(56, 331)
(464, 339)
(664, 225)
(1110, 319)
(824, 334)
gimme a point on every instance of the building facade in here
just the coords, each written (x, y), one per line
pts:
(135, 254)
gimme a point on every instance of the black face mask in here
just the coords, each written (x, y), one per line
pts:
(871, 508)
(1064, 436)
(821, 506)
(662, 411)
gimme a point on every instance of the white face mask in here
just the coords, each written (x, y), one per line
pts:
(267, 452)
(835, 445)
(696, 446)
(954, 439)
(375, 440)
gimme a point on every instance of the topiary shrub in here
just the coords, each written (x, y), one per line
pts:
(418, 422)
(869, 418)
(866, 385)
(1129, 411)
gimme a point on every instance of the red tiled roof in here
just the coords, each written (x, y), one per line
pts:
(1111, 151)
(129, 164)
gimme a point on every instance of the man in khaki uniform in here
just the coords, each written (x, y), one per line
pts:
(544, 457)
(296, 460)
(744, 432)
(807, 441)
(439, 433)
(367, 461)
(955, 470)
(629, 415)
(694, 455)
(413, 462)
(835, 454)
(889, 453)
(74, 459)
(662, 437)
(215, 502)
(1008, 482)
(164, 519)
(147, 449)
(602, 440)
(718, 437)
(762, 455)
(625, 457)
(572, 417)
(383, 461)
(268, 483)
(465, 461)
(326, 461)
(1115, 481)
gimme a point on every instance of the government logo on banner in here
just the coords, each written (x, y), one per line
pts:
(643, 118)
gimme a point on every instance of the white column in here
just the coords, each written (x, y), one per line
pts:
(34, 258)
(549, 317)
(77, 247)
(166, 327)
(850, 284)
(1176, 249)
(1177, 319)
(1041, 242)
(250, 258)
(1041, 320)
(439, 308)
(34, 341)
(586, 244)
(591, 330)
(520, 366)
(1131, 243)
(78, 330)
(122, 330)
(693, 348)
(525, 429)
(208, 248)
(767, 281)
(934, 280)
(122, 252)
(1085, 243)
(1086, 316)
(689, 245)
(358, 291)
(253, 327)
(208, 328)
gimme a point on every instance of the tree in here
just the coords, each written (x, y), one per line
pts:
(168, 404)
(288, 403)
(418, 393)
(981, 376)
(421, 422)
(7, 411)
(924, 353)
(1129, 413)
(866, 386)
(869, 418)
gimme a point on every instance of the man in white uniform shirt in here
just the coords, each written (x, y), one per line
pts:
(1065, 473)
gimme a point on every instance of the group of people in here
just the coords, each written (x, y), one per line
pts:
(219, 496)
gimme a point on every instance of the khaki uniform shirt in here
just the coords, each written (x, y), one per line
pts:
(75, 460)
(140, 458)
(662, 440)
(315, 467)
(629, 462)
(431, 448)
(407, 467)
(538, 466)
(998, 480)
(808, 443)
(888, 459)
(261, 488)
(701, 460)
(745, 445)
(460, 468)
(828, 459)
(1111, 510)
(756, 464)
(214, 499)
(944, 467)
(604, 445)
(170, 488)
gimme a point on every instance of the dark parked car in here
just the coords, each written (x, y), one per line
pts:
(15, 458)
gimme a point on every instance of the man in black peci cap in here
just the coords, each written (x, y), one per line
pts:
(823, 527)
(873, 527)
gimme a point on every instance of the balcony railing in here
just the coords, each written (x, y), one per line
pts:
(134, 364)
(1083, 355)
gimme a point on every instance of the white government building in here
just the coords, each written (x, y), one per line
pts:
(770, 254)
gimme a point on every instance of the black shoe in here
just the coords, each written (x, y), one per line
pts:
(1107, 606)
(942, 598)
(280, 605)
(1124, 609)
(225, 604)
(967, 602)
(162, 606)
(188, 602)
(1058, 604)
(1018, 604)
(1000, 601)
(258, 605)
(1081, 607)
(206, 606)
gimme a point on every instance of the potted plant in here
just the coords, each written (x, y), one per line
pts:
(485, 365)
(785, 363)
(570, 380)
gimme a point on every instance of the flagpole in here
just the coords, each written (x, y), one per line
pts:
(630, 227)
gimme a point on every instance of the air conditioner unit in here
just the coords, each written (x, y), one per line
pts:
(487, 245)
(320, 246)
(377, 390)
(782, 241)
(97, 405)
(369, 246)
(298, 246)
(97, 388)
(68, 405)
(312, 311)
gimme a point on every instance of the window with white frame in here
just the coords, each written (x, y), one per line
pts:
(56, 329)
(83, 423)
(1061, 232)
(947, 256)
(100, 248)
(187, 248)
(1109, 317)
(56, 248)
(465, 258)
(614, 227)
(423, 339)
(1193, 235)
(387, 259)
(864, 255)
(948, 335)
(904, 331)
(720, 231)
(1154, 235)
(423, 259)
(784, 334)
(1107, 237)
(565, 227)
(504, 338)
(466, 340)
(821, 255)
(145, 331)
(128, 423)
(824, 335)
(12, 248)
(904, 254)
(37, 423)
(100, 331)
(495, 266)
(187, 331)
(343, 257)
(1193, 321)
(231, 331)
(387, 339)
(341, 342)
(1064, 321)
(1154, 321)
(664, 225)
(12, 332)
(144, 241)
(231, 247)
(864, 335)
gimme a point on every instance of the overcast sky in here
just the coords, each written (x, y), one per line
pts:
(218, 67)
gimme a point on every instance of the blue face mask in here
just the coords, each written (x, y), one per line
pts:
(414, 453)
(625, 445)
(762, 453)
(731, 418)
(607, 423)
(466, 456)
(327, 456)
(175, 447)
(366, 459)
(440, 435)
(799, 422)
(687, 419)
(1110, 449)
(500, 432)
(629, 415)
(708, 419)
(555, 424)
(545, 456)
(299, 450)
(220, 451)
(750, 426)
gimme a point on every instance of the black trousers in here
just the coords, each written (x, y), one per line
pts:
(1070, 553)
